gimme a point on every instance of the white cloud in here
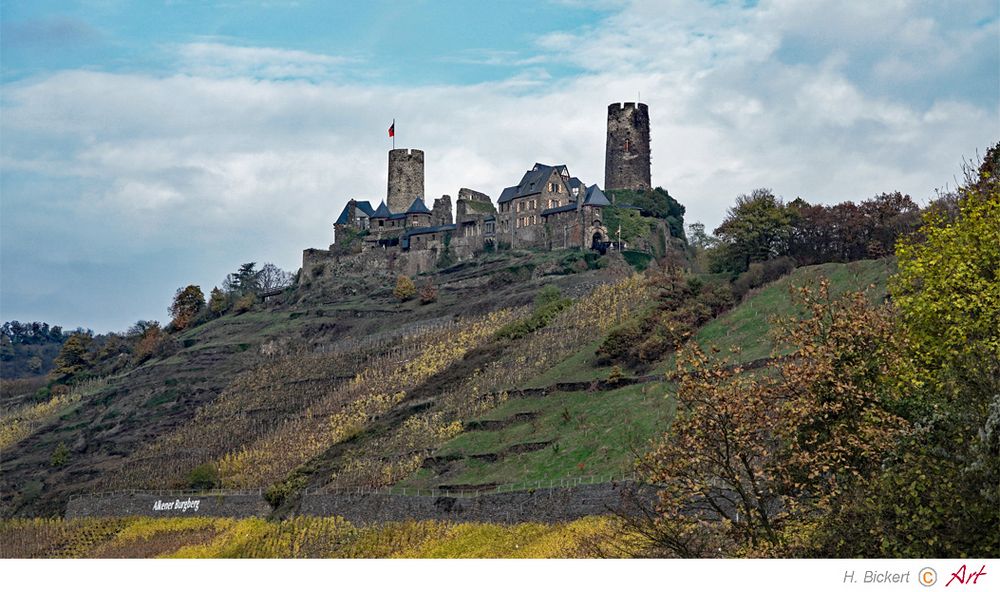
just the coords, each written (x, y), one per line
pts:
(222, 60)
(249, 153)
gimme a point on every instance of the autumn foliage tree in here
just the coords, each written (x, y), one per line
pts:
(756, 458)
(940, 492)
(150, 341)
(839, 417)
(428, 293)
(880, 436)
(73, 358)
(720, 488)
(405, 289)
(760, 228)
(188, 303)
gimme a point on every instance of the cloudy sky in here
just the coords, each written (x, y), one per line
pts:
(148, 145)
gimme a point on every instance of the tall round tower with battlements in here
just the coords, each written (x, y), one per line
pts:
(626, 159)
(406, 178)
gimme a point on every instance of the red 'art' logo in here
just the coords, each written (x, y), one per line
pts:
(966, 578)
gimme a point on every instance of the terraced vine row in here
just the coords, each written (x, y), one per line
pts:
(397, 455)
(300, 537)
(259, 401)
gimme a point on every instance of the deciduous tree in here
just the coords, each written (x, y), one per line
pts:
(218, 302)
(720, 484)
(757, 228)
(271, 277)
(73, 358)
(188, 302)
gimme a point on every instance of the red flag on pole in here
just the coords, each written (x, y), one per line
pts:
(392, 129)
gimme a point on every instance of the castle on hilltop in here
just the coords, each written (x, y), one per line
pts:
(547, 209)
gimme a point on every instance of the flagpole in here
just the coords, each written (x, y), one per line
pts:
(393, 133)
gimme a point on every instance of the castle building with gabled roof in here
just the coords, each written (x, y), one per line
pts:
(547, 209)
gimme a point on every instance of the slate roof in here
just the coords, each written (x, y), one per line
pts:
(382, 211)
(364, 206)
(532, 182)
(566, 208)
(428, 230)
(418, 207)
(344, 217)
(405, 239)
(507, 194)
(595, 197)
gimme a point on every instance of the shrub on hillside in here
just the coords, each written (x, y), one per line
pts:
(60, 455)
(576, 262)
(621, 340)
(682, 307)
(154, 343)
(760, 274)
(405, 289)
(637, 259)
(548, 303)
(428, 293)
(244, 303)
(205, 476)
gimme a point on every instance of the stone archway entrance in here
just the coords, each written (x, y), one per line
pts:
(599, 237)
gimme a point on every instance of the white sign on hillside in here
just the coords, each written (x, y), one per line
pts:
(179, 505)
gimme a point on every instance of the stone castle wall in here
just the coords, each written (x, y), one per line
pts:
(441, 212)
(626, 164)
(472, 195)
(406, 178)
(319, 265)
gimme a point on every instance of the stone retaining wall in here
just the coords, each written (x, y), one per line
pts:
(558, 504)
(541, 505)
(169, 504)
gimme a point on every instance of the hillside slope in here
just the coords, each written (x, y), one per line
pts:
(250, 373)
(600, 430)
(329, 388)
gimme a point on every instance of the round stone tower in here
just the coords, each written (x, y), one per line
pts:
(626, 160)
(406, 178)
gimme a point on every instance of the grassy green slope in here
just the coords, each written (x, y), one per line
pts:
(597, 433)
(576, 434)
(747, 326)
